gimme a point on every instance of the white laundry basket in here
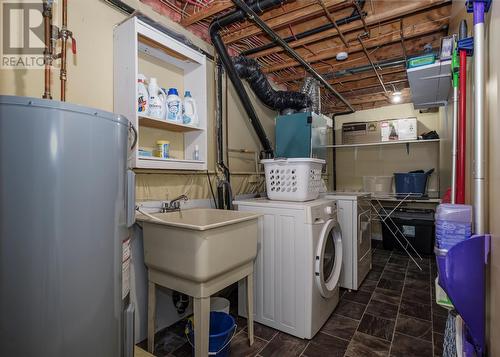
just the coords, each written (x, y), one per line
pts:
(294, 179)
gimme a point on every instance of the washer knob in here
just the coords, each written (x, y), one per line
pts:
(328, 210)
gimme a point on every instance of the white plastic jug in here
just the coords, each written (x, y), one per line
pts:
(174, 106)
(189, 112)
(142, 95)
(157, 100)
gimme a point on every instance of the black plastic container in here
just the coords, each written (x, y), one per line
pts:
(416, 224)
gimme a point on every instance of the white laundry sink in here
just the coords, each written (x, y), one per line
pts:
(198, 245)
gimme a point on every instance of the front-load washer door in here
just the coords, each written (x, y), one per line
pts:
(328, 260)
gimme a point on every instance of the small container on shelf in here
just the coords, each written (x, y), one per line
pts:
(162, 149)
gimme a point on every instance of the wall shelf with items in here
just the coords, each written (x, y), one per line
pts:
(142, 49)
(156, 123)
(383, 143)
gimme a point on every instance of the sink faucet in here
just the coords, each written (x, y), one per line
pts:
(173, 205)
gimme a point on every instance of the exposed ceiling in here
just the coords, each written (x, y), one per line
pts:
(397, 30)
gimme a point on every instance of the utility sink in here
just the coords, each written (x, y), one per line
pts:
(195, 246)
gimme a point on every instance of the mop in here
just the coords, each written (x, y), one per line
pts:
(450, 334)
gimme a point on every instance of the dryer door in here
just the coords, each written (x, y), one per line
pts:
(328, 260)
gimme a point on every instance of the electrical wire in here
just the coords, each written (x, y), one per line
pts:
(211, 189)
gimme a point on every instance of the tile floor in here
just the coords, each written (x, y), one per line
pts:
(392, 314)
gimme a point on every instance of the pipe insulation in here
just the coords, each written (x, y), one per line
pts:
(249, 69)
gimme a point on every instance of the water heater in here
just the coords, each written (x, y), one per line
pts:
(63, 231)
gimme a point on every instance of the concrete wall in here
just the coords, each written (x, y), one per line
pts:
(354, 163)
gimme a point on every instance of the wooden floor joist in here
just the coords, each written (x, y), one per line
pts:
(213, 9)
(408, 8)
(383, 53)
(286, 19)
(415, 31)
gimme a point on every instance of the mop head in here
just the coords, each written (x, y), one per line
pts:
(450, 334)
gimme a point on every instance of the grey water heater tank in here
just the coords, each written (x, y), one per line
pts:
(62, 226)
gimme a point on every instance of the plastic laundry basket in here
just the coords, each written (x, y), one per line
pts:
(222, 331)
(294, 179)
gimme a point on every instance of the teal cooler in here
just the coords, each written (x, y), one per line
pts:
(301, 135)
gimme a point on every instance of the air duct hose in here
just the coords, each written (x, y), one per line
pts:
(249, 69)
(219, 23)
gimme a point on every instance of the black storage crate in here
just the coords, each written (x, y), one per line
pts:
(416, 224)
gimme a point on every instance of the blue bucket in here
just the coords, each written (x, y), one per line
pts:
(414, 183)
(222, 331)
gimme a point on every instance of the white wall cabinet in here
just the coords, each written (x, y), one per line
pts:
(141, 48)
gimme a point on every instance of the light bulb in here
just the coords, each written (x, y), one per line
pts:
(396, 97)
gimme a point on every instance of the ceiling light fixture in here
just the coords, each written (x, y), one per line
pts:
(396, 97)
(342, 56)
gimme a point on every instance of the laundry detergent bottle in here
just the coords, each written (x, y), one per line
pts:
(189, 112)
(142, 95)
(157, 100)
(174, 106)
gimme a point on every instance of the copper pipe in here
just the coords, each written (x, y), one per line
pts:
(47, 52)
(372, 64)
(64, 37)
(330, 17)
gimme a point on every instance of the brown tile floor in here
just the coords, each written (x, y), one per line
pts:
(393, 314)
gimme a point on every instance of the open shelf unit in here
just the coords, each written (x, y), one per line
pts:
(141, 48)
(383, 143)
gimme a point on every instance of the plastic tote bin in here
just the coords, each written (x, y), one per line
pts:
(377, 184)
(416, 224)
(412, 182)
(222, 331)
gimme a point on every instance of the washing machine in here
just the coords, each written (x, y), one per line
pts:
(354, 217)
(298, 264)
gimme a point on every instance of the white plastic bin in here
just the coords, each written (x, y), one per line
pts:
(293, 179)
(377, 184)
(220, 304)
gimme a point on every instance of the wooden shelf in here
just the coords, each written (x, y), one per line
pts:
(151, 122)
(157, 163)
(139, 47)
(154, 158)
(383, 143)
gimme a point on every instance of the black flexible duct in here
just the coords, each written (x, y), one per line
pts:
(353, 17)
(249, 69)
(217, 24)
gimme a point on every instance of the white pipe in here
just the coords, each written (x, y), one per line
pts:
(454, 145)
(479, 162)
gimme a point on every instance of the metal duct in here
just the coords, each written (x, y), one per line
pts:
(312, 89)
(249, 69)
(249, 11)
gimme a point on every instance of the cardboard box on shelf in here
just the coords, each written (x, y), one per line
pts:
(398, 129)
(361, 132)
